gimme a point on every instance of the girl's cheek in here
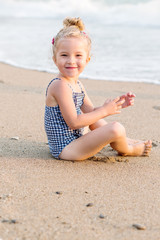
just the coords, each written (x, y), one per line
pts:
(81, 61)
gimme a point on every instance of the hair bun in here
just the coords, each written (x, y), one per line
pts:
(77, 22)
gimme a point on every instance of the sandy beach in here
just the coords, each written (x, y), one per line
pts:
(101, 198)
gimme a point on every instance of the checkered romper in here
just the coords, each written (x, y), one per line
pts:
(58, 133)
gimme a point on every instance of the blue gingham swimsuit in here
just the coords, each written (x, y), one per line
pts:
(58, 133)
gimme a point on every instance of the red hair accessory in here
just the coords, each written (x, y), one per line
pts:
(84, 34)
(53, 41)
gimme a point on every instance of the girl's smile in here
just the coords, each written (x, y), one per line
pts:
(71, 67)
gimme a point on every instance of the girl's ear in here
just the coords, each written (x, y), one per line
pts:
(88, 59)
(54, 60)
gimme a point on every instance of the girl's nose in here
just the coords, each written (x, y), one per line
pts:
(71, 60)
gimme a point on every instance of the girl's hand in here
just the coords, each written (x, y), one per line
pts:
(113, 106)
(128, 99)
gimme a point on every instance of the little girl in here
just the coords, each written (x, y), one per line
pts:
(69, 109)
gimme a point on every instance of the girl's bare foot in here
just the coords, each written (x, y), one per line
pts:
(139, 149)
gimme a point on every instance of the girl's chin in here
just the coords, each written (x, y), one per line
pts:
(71, 75)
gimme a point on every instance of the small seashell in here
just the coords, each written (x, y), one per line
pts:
(89, 205)
(10, 221)
(59, 193)
(101, 216)
(5, 196)
(14, 138)
(138, 226)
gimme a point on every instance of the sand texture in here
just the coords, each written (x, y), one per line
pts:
(105, 197)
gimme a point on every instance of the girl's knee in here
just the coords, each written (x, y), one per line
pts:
(117, 130)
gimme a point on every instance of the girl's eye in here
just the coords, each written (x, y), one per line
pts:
(64, 55)
(79, 55)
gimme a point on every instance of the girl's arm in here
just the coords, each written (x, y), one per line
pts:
(63, 95)
(89, 107)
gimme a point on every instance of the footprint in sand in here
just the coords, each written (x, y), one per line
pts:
(155, 143)
(156, 107)
(108, 159)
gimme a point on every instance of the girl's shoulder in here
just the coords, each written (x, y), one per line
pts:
(51, 84)
(56, 91)
(53, 81)
(58, 86)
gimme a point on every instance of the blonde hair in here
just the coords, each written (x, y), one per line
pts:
(73, 27)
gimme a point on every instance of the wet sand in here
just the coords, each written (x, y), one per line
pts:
(101, 198)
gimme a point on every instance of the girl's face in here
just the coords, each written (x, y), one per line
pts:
(71, 57)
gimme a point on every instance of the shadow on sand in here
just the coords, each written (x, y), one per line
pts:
(39, 150)
(24, 149)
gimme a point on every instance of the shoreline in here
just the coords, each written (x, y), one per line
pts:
(100, 198)
(92, 79)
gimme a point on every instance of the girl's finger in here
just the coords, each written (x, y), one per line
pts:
(120, 102)
(116, 99)
(130, 94)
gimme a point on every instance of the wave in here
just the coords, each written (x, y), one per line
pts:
(113, 12)
(86, 76)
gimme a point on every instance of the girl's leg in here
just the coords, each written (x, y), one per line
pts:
(92, 142)
(103, 122)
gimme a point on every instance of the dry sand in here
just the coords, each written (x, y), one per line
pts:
(43, 199)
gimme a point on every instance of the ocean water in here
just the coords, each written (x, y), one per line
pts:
(125, 36)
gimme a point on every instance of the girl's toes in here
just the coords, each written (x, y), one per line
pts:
(148, 146)
(149, 143)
